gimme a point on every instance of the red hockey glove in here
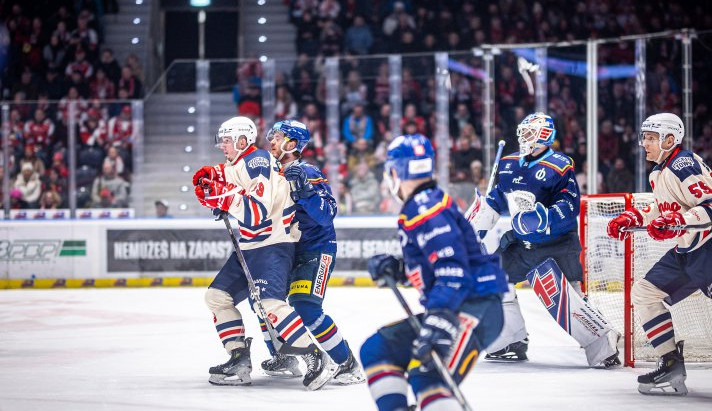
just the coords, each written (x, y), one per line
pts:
(658, 228)
(627, 219)
(215, 173)
(214, 194)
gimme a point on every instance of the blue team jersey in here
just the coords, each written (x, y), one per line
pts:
(442, 256)
(315, 214)
(550, 177)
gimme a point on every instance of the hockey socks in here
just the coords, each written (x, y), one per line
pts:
(660, 332)
(324, 330)
(227, 320)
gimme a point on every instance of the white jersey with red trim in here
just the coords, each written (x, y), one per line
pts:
(265, 210)
(683, 183)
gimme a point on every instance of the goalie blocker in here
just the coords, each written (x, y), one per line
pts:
(573, 313)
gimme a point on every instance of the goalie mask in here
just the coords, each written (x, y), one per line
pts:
(292, 130)
(234, 129)
(409, 157)
(535, 131)
(663, 125)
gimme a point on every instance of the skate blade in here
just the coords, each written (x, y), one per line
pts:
(330, 370)
(284, 374)
(506, 359)
(349, 379)
(222, 379)
(673, 387)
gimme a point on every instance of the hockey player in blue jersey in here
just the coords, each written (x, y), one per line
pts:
(538, 188)
(249, 187)
(460, 286)
(315, 254)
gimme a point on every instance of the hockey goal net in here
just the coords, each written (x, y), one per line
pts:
(610, 268)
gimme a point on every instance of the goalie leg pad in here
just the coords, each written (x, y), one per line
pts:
(573, 314)
(227, 319)
(514, 329)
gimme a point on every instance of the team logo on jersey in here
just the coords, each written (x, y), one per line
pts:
(508, 166)
(322, 275)
(681, 163)
(665, 207)
(258, 162)
(518, 180)
(540, 175)
(546, 287)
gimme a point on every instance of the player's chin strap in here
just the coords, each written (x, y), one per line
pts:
(393, 184)
(284, 151)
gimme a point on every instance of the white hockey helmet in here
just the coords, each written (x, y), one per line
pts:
(234, 129)
(663, 124)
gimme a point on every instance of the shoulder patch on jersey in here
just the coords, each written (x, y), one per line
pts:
(684, 165)
(559, 162)
(258, 162)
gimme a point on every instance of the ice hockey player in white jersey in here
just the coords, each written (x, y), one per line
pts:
(538, 188)
(682, 189)
(249, 186)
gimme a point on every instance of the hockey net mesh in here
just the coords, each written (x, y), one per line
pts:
(605, 268)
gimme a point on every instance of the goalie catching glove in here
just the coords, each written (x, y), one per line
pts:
(658, 228)
(386, 265)
(217, 195)
(627, 219)
(439, 330)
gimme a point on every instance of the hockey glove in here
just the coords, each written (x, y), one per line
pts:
(439, 330)
(214, 173)
(658, 227)
(382, 265)
(627, 219)
(216, 195)
(300, 186)
(528, 222)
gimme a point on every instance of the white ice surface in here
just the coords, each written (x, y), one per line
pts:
(149, 349)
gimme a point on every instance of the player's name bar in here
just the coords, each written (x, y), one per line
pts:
(49, 283)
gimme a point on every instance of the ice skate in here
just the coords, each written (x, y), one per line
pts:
(236, 371)
(516, 351)
(320, 369)
(349, 372)
(285, 366)
(668, 378)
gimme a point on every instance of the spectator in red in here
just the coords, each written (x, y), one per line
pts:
(120, 130)
(80, 65)
(58, 165)
(40, 130)
(101, 87)
(411, 115)
(250, 103)
(93, 130)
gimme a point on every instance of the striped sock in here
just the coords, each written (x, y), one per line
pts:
(329, 337)
(436, 398)
(388, 386)
(290, 328)
(231, 333)
(660, 333)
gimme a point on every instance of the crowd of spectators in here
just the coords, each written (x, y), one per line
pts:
(54, 60)
(354, 30)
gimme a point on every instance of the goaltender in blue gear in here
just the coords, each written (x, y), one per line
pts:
(538, 188)
(461, 288)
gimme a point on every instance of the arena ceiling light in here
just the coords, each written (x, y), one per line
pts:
(200, 3)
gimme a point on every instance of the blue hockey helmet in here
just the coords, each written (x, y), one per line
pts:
(292, 130)
(409, 157)
(535, 131)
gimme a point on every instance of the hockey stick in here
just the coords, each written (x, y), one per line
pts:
(439, 365)
(472, 210)
(688, 227)
(279, 345)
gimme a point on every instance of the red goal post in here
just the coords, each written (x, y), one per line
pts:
(611, 266)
